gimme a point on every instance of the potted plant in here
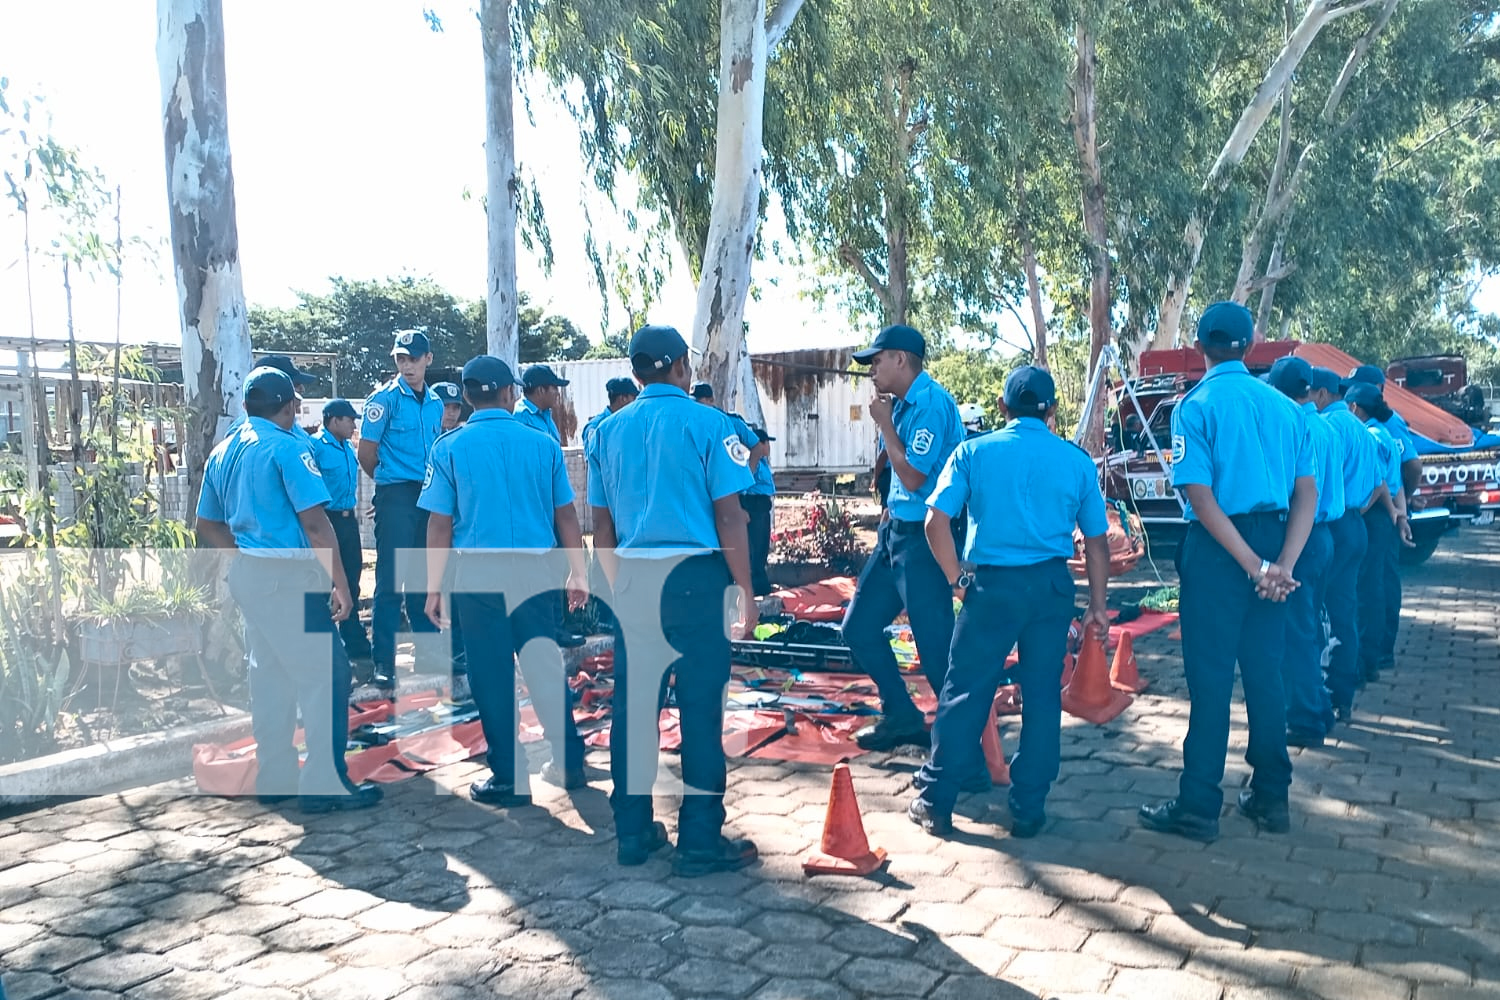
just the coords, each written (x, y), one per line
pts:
(144, 622)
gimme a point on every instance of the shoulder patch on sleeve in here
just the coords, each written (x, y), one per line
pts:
(737, 450)
(311, 464)
(1179, 447)
(427, 479)
(921, 442)
(374, 412)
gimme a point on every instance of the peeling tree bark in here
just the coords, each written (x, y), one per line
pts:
(205, 239)
(1095, 222)
(502, 195)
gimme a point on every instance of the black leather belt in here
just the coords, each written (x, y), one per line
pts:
(341, 513)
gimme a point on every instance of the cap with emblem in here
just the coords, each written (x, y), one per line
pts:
(702, 390)
(269, 385)
(894, 338)
(338, 408)
(540, 376)
(1326, 380)
(1292, 375)
(450, 394)
(1030, 391)
(655, 348)
(1226, 324)
(413, 343)
(487, 373)
(1364, 395)
(622, 387)
(282, 363)
(1368, 374)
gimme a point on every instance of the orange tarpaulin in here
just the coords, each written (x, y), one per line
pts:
(818, 602)
(1421, 416)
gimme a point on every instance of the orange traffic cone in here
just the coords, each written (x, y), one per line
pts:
(1089, 695)
(845, 849)
(994, 753)
(1124, 675)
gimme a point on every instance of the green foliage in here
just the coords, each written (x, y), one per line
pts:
(34, 667)
(974, 376)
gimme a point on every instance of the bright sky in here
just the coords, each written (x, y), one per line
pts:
(356, 133)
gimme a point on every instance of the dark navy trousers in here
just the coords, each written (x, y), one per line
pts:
(399, 524)
(1374, 613)
(351, 555)
(1029, 605)
(670, 626)
(1341, 599)
(758, 507)
(1307, 706)
(1224, 623)
(901, 573)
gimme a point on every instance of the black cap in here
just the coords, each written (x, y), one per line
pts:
(269, 385)
(1366, 395)
(540, 376)
(487, 373)
(1326, 379)
(762, 433)
(622, 387)
(282, 363)
(702, 390)
(450, 394)
(1226, 324)
(1368, 374)
(894, 338)
(1030, 391)
(413, 343)
(654, 348)
(1292, 375)
(338, 408)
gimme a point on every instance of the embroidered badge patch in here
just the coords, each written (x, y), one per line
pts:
(921, 442)
(374, 412)
(405, 338)
(1179, 447)
(737, 450)
(312, 465)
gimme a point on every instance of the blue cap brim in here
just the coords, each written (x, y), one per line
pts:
(867, 355)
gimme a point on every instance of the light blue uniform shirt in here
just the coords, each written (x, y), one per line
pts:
(257, 480)
(1026, 489)
(339, 467)
(1328, 454)
(765, 480)
(749, 439)
(405, 428)
(500, 481)
(658, 466)
(1390, 455)
(1401, 434)
(541, 420)
(1242, 439)
(591, 428)
(1362, 462)
(928, 424)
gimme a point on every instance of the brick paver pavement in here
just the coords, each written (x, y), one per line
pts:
(1388, 885)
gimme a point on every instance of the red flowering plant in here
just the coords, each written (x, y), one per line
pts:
(817, 531)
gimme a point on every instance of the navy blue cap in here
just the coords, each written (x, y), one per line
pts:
(654, 348)
(1368, 374)
(762, 433)
(894, 338)
(283, 363)
(622, 387)
(338, 408)
(702, 390)
(269, 385)
(488, 373)
(1327, 380)
(1366, 395)
(1030, 391)
(1226, 324)
(450, 394)
(412, 342)
(539, 376)
(1292, 375)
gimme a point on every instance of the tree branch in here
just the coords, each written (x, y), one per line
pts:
(779, 22)
(853, 258)
(1356, 56)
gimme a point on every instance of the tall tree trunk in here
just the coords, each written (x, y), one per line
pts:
(1319, 14)
(205, 239)
(75, 395)
(1095, 223)
(1268, 292)
(1033, 284)
(503, 192)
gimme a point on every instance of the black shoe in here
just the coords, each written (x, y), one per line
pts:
(1371, 674)
(361, 797)
(920, 813)
(635, 849)
(1300, 738)
(885, 735)
(1272, 817)
(273, 800)
(384, 678)
(493, 792)
(727, 856)
(1344, 713)
(361, 669)
(554, 773)
(1025, 826)
(1168, 817)
(976, 784)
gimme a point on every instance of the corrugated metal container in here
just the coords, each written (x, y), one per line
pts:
(585, 396)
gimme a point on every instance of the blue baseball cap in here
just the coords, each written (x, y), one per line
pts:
(1030, 391)
(1368, 374)
(540, 376)
(1326, 380)
(1292, 375)
(413, 343)
(894, 338)
(283, 363)
(269, 385)
(488, 373)
(1365, 394)
(338, 408)
(450, 394)
(622, 387)
(1226, 324)
(702, 390)
(654, 348)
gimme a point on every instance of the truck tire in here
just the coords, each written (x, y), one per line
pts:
(1424, 549)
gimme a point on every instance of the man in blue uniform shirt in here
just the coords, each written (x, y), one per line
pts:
(622, 392)
(340, 471)
(453, 404)
(300, 381)
(704, 393)
(665, 476)
(1386, 528)
(1025, 489)
(1309, 712)
(497, 492)
(1240, 452)
(759, 502)
(920, 427)
(1363, 490)
(262, 495)
(401, 421)
(543, 392)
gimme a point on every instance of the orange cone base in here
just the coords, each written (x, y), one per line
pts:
(1140, 685)
(818, 863)
(1097, 714)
